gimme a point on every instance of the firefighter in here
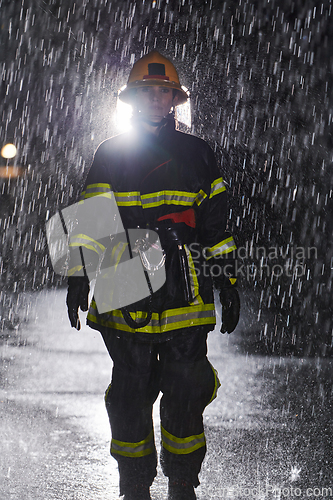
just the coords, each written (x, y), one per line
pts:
(167, 181)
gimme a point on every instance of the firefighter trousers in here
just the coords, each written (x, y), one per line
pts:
(178, 368)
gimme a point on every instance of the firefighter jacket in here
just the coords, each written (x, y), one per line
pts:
(169, 183)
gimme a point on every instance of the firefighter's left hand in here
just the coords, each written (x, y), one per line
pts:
(230, 302)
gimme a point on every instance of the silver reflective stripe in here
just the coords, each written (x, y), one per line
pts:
(171, 319)
(224, 247)
(186, 318)
(168, 198)
(131, 198)
(200, 197)
(96, 189)
(217, 187)
(139, 449)
(184, 198)
(115, 319)
(193, 278)
(182, 446)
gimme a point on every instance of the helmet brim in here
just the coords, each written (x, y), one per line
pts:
(127, 94)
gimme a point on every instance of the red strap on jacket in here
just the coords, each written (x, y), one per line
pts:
(187, 216)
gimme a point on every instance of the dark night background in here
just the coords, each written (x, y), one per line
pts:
(260, 77)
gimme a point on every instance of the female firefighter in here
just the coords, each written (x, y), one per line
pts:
(167, 181)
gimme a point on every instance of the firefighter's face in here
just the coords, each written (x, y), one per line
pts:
(154, 102)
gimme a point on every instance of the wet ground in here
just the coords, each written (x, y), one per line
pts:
(269, 432)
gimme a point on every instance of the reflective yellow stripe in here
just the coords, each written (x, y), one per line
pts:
(134, 198)
(74, 270)
(140, 449)
(217, 187)
(184, 198)
(107, 392)
(82, 240)
(85, 245)
(101, 189)
(193, 278)
(224, 247)
(216, 385)
(168, 198)
(182, 446)
(98, 193)
(127, 199)
(188, 316)
(103, 185)
(172, 319)
(200, 197)
(117, 253)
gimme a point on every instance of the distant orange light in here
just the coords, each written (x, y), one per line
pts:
(8, 151)
(7, 172)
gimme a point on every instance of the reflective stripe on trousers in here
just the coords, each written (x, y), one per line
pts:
(133, 450)
(182, 446)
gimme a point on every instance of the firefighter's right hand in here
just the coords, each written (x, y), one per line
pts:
(77, 296)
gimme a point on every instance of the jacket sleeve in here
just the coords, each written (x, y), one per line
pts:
(98, 178)
(218, 245)
(97, 217)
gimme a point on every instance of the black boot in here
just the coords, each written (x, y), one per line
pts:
(180, 490)
(138, 492)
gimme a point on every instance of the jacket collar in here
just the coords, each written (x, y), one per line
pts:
(166, 126)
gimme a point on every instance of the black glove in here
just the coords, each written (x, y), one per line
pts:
(77, 296)
(230, 302)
